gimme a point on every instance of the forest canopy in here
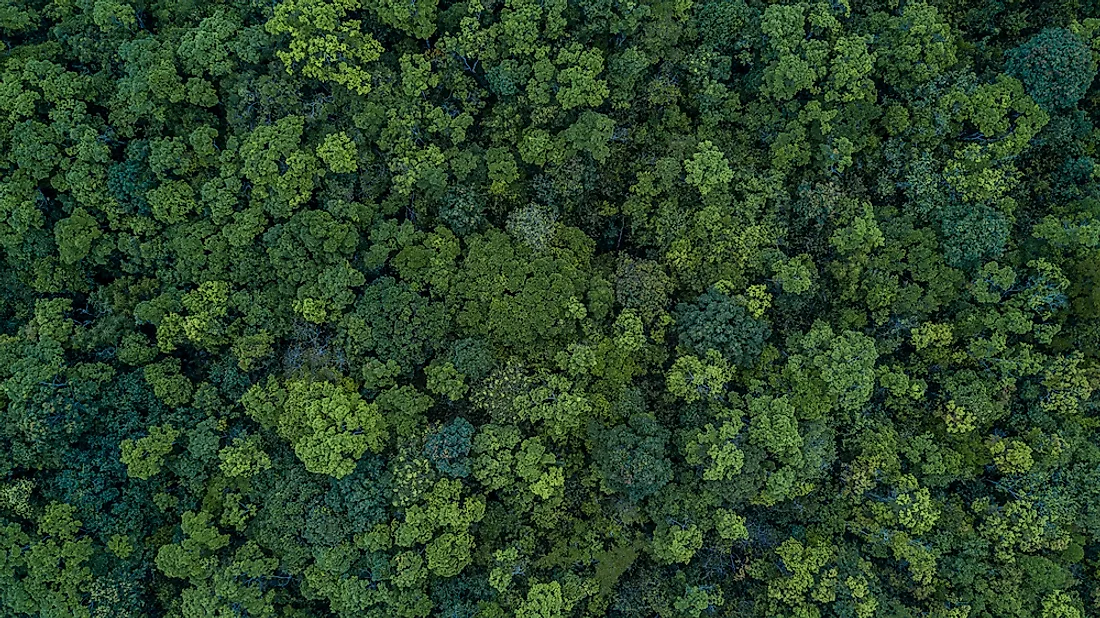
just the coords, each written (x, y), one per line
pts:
(549, 309)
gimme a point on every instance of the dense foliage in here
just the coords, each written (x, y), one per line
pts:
(548, 309)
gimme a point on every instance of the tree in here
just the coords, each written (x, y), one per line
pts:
(915, 47)
(715, 447)
(844, 364)
(577, 78)
(144, 457)
(192, 558)
(692, 379)
(676, 543)
(973, 234)
(642, 285)
(75, 235)
(499, 282)
(717, 321)
(339, 153)
(708, 169)
(244, 457)
(394, 323)
(589, 134)
(418, 18)
(319, 35)
(328, 424)
(170, 386)
(282, 174)
(805, 578)
(631, 457)
(47, 574)
(1056, 67)
(543, 601)
(448, 447)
